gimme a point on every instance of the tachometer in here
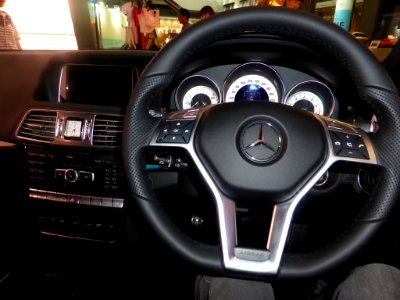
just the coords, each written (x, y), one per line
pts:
(253, 82)
(196, 91)
(200, 95)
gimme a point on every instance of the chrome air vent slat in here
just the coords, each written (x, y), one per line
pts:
(107, 131)
(39, 125)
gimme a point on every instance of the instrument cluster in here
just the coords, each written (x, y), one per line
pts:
(256, 81)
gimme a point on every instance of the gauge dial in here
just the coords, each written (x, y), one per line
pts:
(199, 96)
(312, 96)
(252, 88)
(306, 100)
(196, 91)
(253, 82)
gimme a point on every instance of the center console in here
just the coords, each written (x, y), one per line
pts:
(74, 175)
(75, 193)
(74, 172)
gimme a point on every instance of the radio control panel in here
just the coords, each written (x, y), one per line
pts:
(76, 176)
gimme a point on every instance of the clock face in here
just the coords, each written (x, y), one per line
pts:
(73, 129)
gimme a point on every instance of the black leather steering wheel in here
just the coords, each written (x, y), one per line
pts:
(263, 141)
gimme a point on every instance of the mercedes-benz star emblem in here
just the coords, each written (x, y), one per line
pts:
(260, 142)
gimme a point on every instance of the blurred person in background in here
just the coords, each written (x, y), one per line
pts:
(9, 36)
(206, 11)
(274, 3)
(131, 31)
(155, 41)
(263, 2)
(295, 4)
(183, 17)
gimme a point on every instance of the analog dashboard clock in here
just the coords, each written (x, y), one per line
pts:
(73, 129)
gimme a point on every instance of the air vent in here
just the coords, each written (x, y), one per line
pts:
(107, 131)
(39, 125)
(37, 169)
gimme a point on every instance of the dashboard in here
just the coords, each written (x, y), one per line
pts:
(256, 81)
(69, 118)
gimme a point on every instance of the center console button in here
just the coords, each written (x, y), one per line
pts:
(71, 175)
(86, 176)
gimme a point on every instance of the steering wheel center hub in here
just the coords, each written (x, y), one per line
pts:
(264, 141)
(260, 142)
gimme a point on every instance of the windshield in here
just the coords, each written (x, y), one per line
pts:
(116, 24)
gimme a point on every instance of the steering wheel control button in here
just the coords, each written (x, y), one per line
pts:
(166, 162)
(176, 131)
(348, 145)
(163, 161)
(260, 142)
(173, 138)
(336, 142)
(180, 164)
(349, 140)
(362, 148)
(196, 220)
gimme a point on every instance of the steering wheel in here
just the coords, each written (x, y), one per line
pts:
(250, 151)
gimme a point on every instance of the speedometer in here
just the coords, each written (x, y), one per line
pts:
(252, 88)
(253, 82)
